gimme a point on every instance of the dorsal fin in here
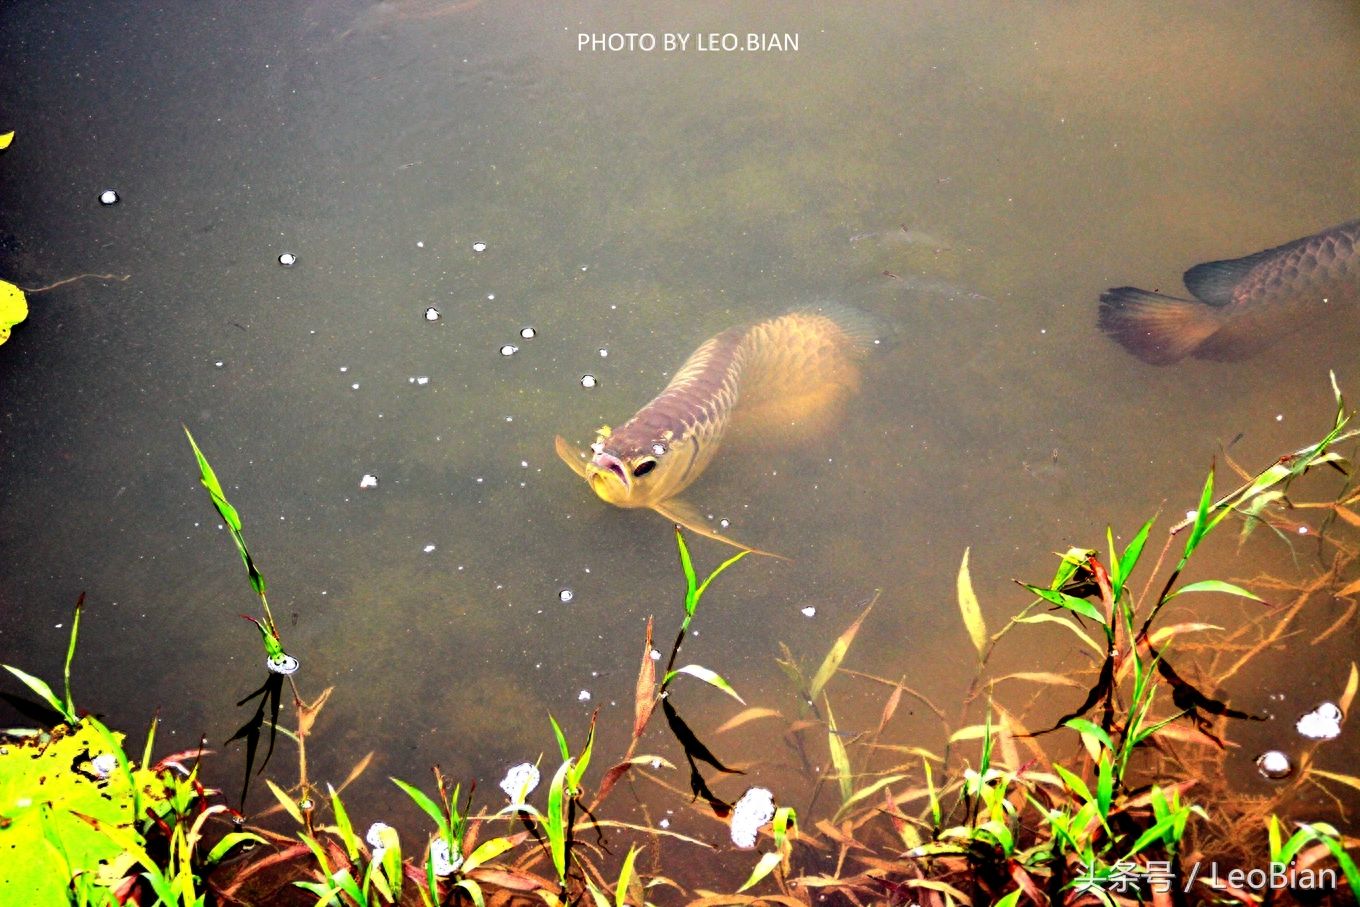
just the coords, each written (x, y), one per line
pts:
(1214, 281)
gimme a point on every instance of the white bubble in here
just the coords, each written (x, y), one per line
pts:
(1323, 723)
(724, 523)
(368, 481)
(479, 246)
(566, 595)
(428, 549)
(604, 353)
(443, 864)
(104, 764)
(588, 381)
(527, 333)
(375, 834)
(283, 663)
(108, 197)
(519, 782)
(420, 244)
(751, 812)
(421, 380)
(810, 611)
(1274, 765)
(509, 349)
(287, 259)
(658, 449)
(583, 696)
(431, 314)
(219, 363)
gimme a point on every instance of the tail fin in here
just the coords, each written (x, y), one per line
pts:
(1157, 329)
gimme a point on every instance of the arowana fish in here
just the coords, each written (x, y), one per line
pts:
(786, 376)
(1241, 305)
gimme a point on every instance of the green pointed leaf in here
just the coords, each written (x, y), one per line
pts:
(625, 877)
(1214, 585)
(428, 806)
(839, 648)
(13, 308)
(486, 852)
(707, 676)
(39, 686)
(768, 861)
(1070, 602)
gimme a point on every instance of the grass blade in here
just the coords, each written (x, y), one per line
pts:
(837, 654)
(970, 609)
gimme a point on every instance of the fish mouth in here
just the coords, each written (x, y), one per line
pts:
(605, 468)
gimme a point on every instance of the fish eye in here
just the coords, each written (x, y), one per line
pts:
(643, 468)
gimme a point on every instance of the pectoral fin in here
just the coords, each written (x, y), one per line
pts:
(679, 512)
(571, 456)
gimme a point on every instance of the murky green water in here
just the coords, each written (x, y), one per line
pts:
(636, 203)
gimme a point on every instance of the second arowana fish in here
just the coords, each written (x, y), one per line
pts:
(1241, 305)
(786, 376)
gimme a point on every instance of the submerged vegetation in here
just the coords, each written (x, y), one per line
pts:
(1124, 799)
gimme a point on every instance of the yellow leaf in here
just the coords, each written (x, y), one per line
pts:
(972, 611)
(13, 308)
(5, 139)
(837, 654)
(1348, 696)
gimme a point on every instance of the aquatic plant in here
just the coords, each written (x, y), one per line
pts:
(83, 821)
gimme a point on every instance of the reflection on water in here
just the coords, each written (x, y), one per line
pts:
(973, 181)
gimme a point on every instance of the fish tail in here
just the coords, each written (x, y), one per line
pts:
(1156, 328)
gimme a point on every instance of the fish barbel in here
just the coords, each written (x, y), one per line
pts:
(786, 376)
(1241, 305)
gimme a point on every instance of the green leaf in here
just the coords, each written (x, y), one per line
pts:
(1070, 602)
(864, 792)
(13, 307)
(970, 609)
(289, 806)
(703, 587)
(39, 686)
(691, 581)
(832, 662)
(768, 861)
(840, 759)
(707, 676)
(70, 708)
(625, 877)
(1074, 783)
(486, 852)
(230, 840)
(1085, 727)
(474, 891)
(61, 819)
(561, 738)
(555, 825)
(428, 806)
(351, 841)
(1134, 550)
(1215, 585)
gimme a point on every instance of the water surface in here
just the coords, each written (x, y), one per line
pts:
(635, 203)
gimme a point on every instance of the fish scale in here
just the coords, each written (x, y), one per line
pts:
(1242, 305)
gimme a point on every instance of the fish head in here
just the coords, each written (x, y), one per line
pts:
(630, 475)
